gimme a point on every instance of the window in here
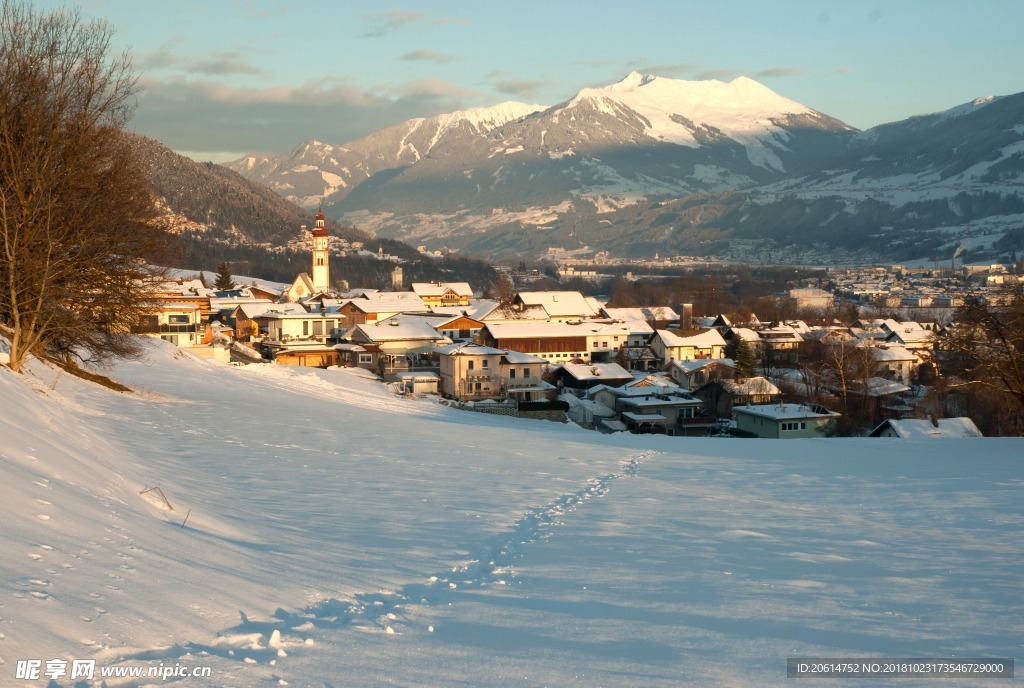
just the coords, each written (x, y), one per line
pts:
(305, 328)
(511, 373)
(177, 319)
(485, 363)
(365, 358)
(471, 364)
(318, 328)
(526, 372)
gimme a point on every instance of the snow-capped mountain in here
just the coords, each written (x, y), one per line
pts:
(651, 163)
(316, 172)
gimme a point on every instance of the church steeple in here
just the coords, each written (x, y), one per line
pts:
(321, 254)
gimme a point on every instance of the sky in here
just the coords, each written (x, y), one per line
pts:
(225, 78)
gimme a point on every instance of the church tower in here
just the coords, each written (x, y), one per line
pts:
(321, 257)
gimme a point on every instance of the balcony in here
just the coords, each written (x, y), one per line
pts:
(149, 328)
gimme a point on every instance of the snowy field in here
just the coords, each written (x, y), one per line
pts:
(337, 536)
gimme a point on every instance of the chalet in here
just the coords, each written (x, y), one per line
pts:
(471, 372)
(605, 340)
(443, 293)
(785, 421)
(281, 328)
(669, 346)
(894, 362)
(934, 428)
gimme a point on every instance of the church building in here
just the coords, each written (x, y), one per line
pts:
(321, 257)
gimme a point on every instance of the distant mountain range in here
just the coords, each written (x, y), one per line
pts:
(651, 164)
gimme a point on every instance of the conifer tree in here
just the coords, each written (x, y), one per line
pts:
(224, 278)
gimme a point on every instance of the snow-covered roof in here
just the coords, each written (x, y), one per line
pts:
(704, 340)
(691, 365)
(746, 334)
(927, 429)
(536, 328)
(644, 314)
(393, 330)
(439, 288)
(560, 303)
(750, 385)
(780, 412)
(255, 309)
(597, 371)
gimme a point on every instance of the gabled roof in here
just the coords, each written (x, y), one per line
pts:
(597, 371)
(535, 328)
(645, 314)
(693, 365)
(748, 386)
(394, 330)
(560, 303)
(439, 288)
(929, 429)
(704, 340)
(254, 310)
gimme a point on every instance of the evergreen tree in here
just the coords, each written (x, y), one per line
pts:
(740, 352)
(224, 279)
(202, 280)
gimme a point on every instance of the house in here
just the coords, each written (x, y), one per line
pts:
(174, 322)
(721, 396)
(785, 421)
(472, 371)
(780, 344)
(443, 293)
(282, 326)
(669, 346)
(587, 375)
(557, 306)
(694, 373)
(933, 428)
(309, 354)
(244, 316)
(398, 345)
(605, 340)
(380, 306)
(556, 342)
(660, 410)
(894, 362)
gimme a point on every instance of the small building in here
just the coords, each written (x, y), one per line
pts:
(669, 346)
(472, 371)
(933, 428)
(587, 375)
(177, 323)
(721, 396)
(785, 421)
(693, 374)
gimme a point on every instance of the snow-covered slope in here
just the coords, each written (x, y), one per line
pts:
(325, 532)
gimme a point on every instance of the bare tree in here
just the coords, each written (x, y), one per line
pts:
(76, 214)
(985, 351)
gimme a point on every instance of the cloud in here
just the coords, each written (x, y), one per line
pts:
(430, 56)
(391, 20)
(843, 69)
(719, 74)
(396, 19)
(170, 56)
(520, 88)
(781, 71)
(189, 114)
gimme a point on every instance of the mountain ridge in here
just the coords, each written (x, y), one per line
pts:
(563, 172)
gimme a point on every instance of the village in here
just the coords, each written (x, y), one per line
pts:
(561, 355)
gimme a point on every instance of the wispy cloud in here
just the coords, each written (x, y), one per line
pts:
(843, 69)
(430, 56)
(391, 20)
(520, 88)
(781, 71)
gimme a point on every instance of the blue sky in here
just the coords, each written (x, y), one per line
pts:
(223, 78)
